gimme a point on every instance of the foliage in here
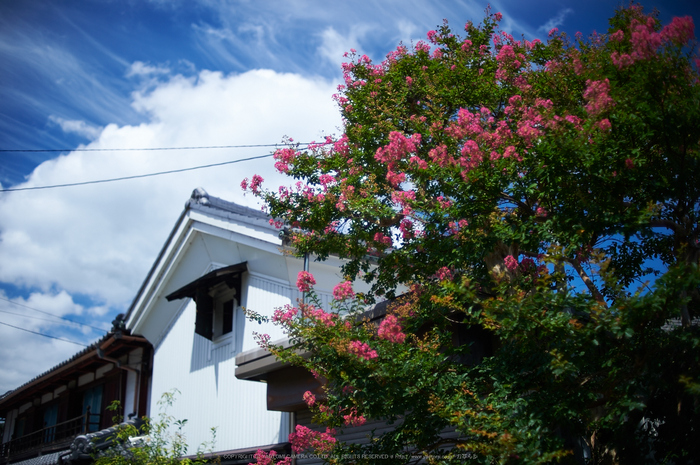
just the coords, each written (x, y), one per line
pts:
(540, 195)
(153, 442)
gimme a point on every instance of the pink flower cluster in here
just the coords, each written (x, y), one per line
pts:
(382, 239)
(680, 31)
(254, 184)
(511, 263)
(304, 438)
(309, 398)
(406, 228)
(646, 41)
(284, 315)
(353, 419)
(443, 273)
(263, 458)
(399, 146)
(598, 95)
(283, 158)
(362, 350)
(318, 314)
(404, 200)
(305, 281)
(508, 62)
(390, 329)
(343, 291)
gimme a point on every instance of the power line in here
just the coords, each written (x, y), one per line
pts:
(50, 314)
(124, 178)
(203, 147)
(24, 315)
(45, 335)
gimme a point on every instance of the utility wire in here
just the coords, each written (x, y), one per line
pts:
(203, 147)
(24, 315)
(45, 335)
(50, 314)
(124, 178)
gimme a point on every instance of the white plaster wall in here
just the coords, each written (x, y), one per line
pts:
(210, 395)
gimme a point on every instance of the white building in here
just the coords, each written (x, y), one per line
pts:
(219, 257)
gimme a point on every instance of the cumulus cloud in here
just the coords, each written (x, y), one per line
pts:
(99, 240)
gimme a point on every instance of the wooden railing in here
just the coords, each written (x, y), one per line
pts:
(63, 432)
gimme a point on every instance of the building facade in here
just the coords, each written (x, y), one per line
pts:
(47, 415)
(219, 259)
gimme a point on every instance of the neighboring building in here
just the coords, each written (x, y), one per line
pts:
(219, 259)
(45, 416)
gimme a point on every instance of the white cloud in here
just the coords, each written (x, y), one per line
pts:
(80, 128)
(139, 68)
(334, 45)
(557, 21)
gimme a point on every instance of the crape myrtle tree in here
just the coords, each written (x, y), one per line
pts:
(547, 193)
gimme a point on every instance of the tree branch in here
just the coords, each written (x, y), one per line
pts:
(588, 282)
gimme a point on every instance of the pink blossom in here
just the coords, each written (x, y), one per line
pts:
(326, 180)
(444, 203)
(604, 124)
(511, 263)
(498, 16)
(263, 340)
(629, 163)
(444, 273)
(406, 228)
(309, 398)
(617, 36)
(409, 80)
(390, 329)
(680, 31)
(319, 315)
(575, 120)
(362, 350)
(399, 146)
(284, 157)
(262, 458)
(284, 314)
(305, 281)
(597, 94)
(433, 36)
(419, 161)
(645, 41)
(440, 156)
(353, 419)
(304, 438)
(343, 291)
(382, 239)
(621, 60)
(244, 184)
(255, 183)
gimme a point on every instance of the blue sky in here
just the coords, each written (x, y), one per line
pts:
(170, 73)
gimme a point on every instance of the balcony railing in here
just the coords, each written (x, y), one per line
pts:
(55, 435)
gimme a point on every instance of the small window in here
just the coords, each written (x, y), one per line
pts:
(217, 296)
(224, 307)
